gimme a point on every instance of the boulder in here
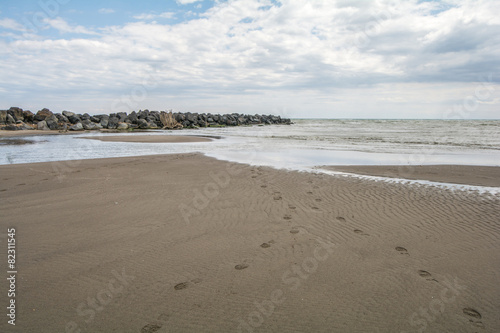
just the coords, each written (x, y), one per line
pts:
(113, 122)
(16, 113)
(10, 120)
(42, 126)
(132, 117)
(122, 126)
(122, 116)
(104, 122)
(42, 114)
(3, 116)
(52, 122)
(142, 123)
(76, 127)
(74, 119)
(24, 126)
(68, 114)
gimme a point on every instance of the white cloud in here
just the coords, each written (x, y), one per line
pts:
(186, 2)
(302, 55)
(150, 17)
(8, 23)
(60, 24)
(106, 11)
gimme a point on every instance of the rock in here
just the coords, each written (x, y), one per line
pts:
(3, 116)
(52, 122)
(74, 119)
(142, 123)
(122, 116)
(104, 122)
(10, 128)
(95, 119)
(24, 126)
(113, 122)
(122, 126)
(132, 117)
(76, 127)
(42, 126)
(16, 113)
(10, 120)
(68, 114)
(152, 125)
(42, 114)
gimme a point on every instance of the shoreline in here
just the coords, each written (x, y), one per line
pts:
(487, 176)
(197, 244)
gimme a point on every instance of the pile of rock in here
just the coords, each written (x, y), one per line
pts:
(18, 119)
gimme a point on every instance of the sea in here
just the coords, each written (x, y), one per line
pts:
(304, 144)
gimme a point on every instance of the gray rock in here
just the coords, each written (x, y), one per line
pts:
(10, 120)
(68, 114)
(42, 114)
(104, 122)
(24, 126)
(113, 122)
(122, 126)
(3, 116)
(152, 125)
(16, 113)
(42, 126)
(142, 123)
(74, 119)
(28, 116)
(76, 127)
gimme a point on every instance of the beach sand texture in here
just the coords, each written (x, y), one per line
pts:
(187, 243)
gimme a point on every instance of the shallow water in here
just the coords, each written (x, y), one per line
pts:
(306, 143)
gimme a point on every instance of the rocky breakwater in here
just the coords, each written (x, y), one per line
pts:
(45, 120)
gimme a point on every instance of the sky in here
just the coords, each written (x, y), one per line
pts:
(294, 58)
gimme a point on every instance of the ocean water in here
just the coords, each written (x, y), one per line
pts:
(304, 144)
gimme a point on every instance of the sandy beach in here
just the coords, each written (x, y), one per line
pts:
(187, 243)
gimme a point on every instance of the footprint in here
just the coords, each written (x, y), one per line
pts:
(263, 186)
(402, 250)
(309, 192)
(291, 207)
(472, 313)
(265, 245)
(360, 232)
(180, 286)
(294, 231)
(314, 207)
(277, 196)
(426, 275)
(340, 218)
(287, 217)
(241, 266)
(254, 176)
(196, 281)
(3, 190)
(21, 184)
(318, 200)
(150, 328)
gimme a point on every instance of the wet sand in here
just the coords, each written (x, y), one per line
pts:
(455, 174)
(151, 138)
(171, 243)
